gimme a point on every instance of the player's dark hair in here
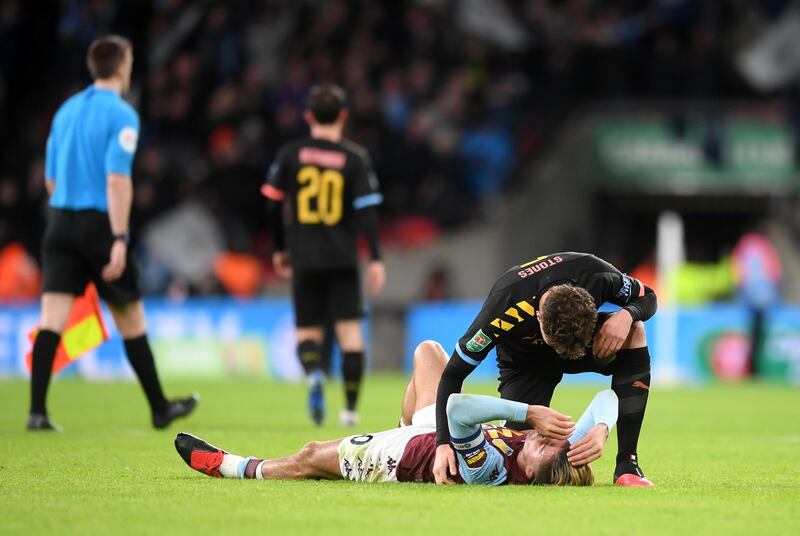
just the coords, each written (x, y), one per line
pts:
(106, 54)
(569, 316)
(326, 102)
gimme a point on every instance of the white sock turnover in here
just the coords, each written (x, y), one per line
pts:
(230, 465)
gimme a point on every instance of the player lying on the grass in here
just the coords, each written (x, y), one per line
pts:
(558, 451)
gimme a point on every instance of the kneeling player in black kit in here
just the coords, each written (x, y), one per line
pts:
(541, 316)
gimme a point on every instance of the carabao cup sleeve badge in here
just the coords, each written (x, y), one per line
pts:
(478, 342)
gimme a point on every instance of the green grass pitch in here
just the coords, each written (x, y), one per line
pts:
(724, 460)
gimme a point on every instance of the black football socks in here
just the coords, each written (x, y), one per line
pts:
(310, 357)
(141, 359)
(44, 353)
(352, 371)
(631, 383)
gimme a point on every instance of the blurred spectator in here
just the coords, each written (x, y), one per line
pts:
(437, 285)
(758, 273)
(20, 278)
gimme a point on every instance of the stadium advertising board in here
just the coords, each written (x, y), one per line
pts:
(711, 343)
(214, 338)
(698, 156)
(206, 338)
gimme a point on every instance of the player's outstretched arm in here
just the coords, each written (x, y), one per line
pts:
(591, 432)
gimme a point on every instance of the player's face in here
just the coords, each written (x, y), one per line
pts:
(541, 451)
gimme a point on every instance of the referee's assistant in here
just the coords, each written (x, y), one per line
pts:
(88, 175)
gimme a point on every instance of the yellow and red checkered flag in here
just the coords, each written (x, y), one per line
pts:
(85, 331)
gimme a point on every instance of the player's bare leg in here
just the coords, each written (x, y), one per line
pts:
(351, 342)
(309, 343)
(430, 360)
(631, 383)
(56, 307)
(130, 322)
(316, 460)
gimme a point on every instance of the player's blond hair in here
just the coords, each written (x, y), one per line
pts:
(562, 473)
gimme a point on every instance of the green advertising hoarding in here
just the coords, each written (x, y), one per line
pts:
(755, 156)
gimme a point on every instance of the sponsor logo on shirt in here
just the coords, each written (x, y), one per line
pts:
(128, 138)
(475, 459)
(624, 293)
(478, 342)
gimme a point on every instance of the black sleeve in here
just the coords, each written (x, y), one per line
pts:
(643, 307)
(613, 286)
(451, 382)
(275, 216)
(277, 175)
(368, 217)
(366, 191)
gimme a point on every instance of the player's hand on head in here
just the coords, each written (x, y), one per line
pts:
(590, 447)
(612, 334)
(376, 277)
(550, 423)
(280, 263)
(116, 261)
(444, 465)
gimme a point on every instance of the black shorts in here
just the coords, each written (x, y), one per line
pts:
(533, 378)
(75, 248)
(321, 295)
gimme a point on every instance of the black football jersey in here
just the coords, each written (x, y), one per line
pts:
(507, 319)
(325, 184)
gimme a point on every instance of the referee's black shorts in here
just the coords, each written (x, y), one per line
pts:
(326, 294)
(75, 248)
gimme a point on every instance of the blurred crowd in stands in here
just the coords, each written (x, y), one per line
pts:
(451, 97)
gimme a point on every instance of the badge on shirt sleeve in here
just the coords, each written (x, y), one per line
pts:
(475, 458)
(128, 138)
(624, 293)
(478, 342)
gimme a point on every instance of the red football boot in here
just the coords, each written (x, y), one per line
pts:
(629, 480)
(199, 455)
(628, 474)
